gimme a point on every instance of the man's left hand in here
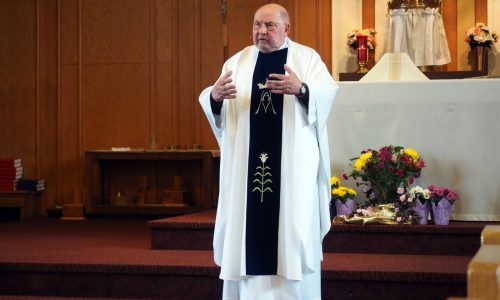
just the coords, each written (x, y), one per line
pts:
(284, 84)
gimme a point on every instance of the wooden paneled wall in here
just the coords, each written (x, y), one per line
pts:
(79, 75)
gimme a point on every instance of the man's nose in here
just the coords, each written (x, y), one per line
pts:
(263, 28)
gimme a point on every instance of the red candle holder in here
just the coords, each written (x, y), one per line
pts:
(362, 45)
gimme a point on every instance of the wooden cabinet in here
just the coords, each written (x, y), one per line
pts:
(28, 203)
(150, 182)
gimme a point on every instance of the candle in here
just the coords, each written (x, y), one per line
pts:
(362, 44)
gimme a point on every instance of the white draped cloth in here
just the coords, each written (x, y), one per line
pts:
(305, 180)
(419, 33)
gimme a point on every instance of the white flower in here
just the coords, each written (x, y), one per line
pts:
(263, 157)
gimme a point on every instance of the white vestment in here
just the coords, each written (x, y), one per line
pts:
(304, 217)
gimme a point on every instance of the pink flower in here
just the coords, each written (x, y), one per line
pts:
(439, 192)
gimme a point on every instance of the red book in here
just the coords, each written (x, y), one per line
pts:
(10, 170)
(12, 176)
(7, 185)
(7, 188)
(8, 181)
(12, 162)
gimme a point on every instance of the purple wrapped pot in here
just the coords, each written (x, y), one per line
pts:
(344, 208)
(441, 211)
(422, 210)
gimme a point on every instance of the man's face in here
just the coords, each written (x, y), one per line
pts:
(269, 30)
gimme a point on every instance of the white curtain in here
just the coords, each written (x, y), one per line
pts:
(418, 32)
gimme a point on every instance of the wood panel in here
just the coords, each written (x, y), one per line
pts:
(167, 51)
(188, 71)
(449, 14)
(211, 60)
(18, 82)
(325, 32)
(47, 100)
(368, 18)
(481, 11)
(115, 106)
(466, 11)
(69, 134)
(115, 31)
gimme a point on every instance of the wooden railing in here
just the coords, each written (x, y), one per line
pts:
(483, 276)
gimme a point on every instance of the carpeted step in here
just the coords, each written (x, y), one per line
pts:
(457, 238)
(172, 274)
(195, 231)
(111, 273)
(392, 276)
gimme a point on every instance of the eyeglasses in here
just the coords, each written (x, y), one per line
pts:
(270, 26)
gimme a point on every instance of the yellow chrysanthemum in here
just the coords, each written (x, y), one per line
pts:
(338, 192)
(343, 192)
(359, 164)
(334, 181)
(366, 156)
(350, 191)
(412, 152)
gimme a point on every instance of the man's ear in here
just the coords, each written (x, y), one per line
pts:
(287, 28)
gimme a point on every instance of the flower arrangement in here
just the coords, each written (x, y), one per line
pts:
(370, 32)
(419, 193)
(439, 192)
(480, 35)
(382, 172)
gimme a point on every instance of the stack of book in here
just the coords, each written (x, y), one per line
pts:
(33, 185)
(11, 171)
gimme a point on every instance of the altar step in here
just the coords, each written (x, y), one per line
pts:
(195, 231)
(191, 274)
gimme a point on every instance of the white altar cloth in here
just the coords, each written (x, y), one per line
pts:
(418, 32)
(394, 66)
(453, 124)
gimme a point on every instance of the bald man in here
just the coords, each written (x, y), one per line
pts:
(268, 111)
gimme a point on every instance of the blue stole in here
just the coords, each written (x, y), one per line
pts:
(264, 168)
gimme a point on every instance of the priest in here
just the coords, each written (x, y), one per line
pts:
(268, 111)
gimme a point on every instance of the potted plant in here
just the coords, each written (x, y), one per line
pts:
(343, 198)
(442, 199)
(422, 205)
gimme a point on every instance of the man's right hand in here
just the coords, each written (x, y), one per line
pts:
(223, 89)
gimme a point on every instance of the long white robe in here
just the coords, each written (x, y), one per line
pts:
(305, 166)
